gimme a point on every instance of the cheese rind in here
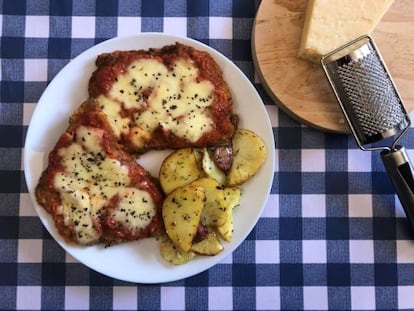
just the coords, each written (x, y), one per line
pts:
(330, 24)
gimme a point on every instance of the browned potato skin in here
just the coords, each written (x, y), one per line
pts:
(223, 157)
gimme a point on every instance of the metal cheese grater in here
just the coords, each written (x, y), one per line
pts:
(373, 109)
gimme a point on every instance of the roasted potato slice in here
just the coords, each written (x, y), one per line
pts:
(232, 196)
(173, 254)
(180, 168)
(232, 199)
(214, 211)
(249, 153)
(209, 246)
(225, 231)
(181, 212)
(211, 169)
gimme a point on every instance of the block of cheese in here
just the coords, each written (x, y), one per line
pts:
(331, 23)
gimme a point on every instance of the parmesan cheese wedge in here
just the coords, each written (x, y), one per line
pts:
(330, 24)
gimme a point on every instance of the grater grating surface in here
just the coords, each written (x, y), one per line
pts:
(371, 95)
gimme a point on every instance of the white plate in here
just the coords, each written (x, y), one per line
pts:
(140, 261)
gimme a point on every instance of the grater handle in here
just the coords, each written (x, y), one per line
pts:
(401, 173)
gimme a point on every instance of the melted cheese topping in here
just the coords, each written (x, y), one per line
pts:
(90, 180)
(128, 214)
(169, 99)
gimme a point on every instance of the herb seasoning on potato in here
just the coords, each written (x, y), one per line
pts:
(201, 196)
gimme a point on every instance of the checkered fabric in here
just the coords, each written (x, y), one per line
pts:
(332, 236)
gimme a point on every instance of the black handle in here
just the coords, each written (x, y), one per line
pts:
(401, 173)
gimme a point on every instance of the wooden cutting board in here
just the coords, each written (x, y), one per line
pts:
(299, 87)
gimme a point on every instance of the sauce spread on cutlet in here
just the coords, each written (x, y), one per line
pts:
(89, 180)
(180, 94)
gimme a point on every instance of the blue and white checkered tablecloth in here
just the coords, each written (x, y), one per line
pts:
(332, 235)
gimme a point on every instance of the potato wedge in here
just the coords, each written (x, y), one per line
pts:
(211, 169)
(173, 254)
(209, 246)
(232, 199)
(225, 231)
(232, 196)
(181, 212)
(180, 168)
(249, 153)
(214, 211)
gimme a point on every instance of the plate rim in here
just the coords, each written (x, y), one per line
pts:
(218, 56)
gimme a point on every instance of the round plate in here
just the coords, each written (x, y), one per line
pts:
(140, 261)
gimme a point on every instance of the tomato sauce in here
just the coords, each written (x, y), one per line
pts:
(112, 65)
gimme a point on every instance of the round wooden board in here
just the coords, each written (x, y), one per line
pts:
(299, 87)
